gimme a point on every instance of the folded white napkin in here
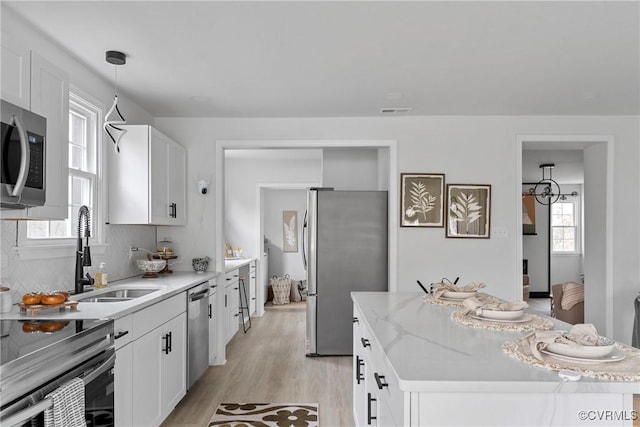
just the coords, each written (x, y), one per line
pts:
(476, 305)
(441, 288)
(579, 335)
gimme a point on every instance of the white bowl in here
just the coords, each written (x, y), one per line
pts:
(502, 314)
(152, 266)
(459, 295)
(604, 347)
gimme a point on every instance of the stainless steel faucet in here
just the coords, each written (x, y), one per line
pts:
(83, 256)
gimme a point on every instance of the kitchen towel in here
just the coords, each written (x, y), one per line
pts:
(67, 409)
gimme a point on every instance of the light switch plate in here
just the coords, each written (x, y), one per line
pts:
(499, 232)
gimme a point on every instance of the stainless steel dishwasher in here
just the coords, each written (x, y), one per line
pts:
(198, 332)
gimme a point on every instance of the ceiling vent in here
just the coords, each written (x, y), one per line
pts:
(395, 110)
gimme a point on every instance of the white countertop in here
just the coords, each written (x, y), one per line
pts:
(171, 284)
(232, 264)
(429, 352)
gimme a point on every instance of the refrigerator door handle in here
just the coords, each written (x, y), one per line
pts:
(304, 247)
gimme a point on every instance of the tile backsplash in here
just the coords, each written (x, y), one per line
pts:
(23, 276)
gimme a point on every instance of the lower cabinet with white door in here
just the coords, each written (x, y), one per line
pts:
(213, 321)
(150, 377)
(231, 304)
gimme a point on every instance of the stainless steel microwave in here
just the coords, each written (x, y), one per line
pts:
(23, 157)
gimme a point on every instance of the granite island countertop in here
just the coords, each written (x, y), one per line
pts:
(429, 352)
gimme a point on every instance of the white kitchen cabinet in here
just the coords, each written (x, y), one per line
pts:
(50, 98)
(34, 83)
(159, 360)
(252, 288)
(147, 179)
(123, 395)
(15, 61)
(231, 304)
(174, 364)
(213, 321)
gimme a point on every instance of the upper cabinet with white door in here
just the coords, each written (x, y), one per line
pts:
(34, 83)
(147, 179)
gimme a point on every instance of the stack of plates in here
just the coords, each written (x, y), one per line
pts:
(604, 351)
(458, 295)
(504, 316)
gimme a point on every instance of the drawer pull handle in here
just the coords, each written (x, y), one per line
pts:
(370, 416)
(381, 381)
(356, 320)
(120, 334)
(365, 342)
(359, 365)
(166, 348)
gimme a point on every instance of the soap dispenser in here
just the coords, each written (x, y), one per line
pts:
(101, 279)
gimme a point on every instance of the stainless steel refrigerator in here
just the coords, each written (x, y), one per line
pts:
(345, 249)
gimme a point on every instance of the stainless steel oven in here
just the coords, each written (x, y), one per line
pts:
(40, 356)
(22, 157)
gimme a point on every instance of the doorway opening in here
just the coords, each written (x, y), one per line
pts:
(597, 205)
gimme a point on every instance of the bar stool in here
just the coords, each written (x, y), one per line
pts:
(244, 304)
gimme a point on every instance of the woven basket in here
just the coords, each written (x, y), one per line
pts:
(281, 289)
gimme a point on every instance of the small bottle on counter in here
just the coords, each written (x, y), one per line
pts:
(102, 278)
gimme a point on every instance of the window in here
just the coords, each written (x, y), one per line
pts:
(564, 227)
(84, 128)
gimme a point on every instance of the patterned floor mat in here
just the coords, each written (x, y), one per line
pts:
(265, 415)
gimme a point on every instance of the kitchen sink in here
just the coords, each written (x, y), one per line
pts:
(103, 299)
(116, 295)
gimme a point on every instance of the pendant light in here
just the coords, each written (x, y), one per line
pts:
(111, 125)
(547, 191)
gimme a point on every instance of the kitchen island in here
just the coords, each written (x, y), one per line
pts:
(415, 366)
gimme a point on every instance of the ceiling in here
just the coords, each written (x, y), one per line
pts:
(569, 165)
(338, 59)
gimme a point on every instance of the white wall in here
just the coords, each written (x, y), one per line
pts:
(276, 201)
(350, 169)
(468, 149)
(23, 275)
(242, 176)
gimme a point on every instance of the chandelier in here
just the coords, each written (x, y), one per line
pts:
(547, 191)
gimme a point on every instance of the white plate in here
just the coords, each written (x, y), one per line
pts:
(525, 318)
(459, 295)
(502, 314)
(583, 351)
(615, 356)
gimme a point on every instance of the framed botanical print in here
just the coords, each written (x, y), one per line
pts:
(290, 231)
(468, 211)
(422, 200)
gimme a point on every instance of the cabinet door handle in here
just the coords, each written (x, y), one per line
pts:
(120, 334)
(209, 311)
(370, 416)
(170, 341)
(356, 320)
(365, 342)
(173, 210)
(166, 343)
(359, 365)
(381, 381)
(225, 301)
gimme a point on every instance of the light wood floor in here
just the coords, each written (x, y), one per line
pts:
(267, 364)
